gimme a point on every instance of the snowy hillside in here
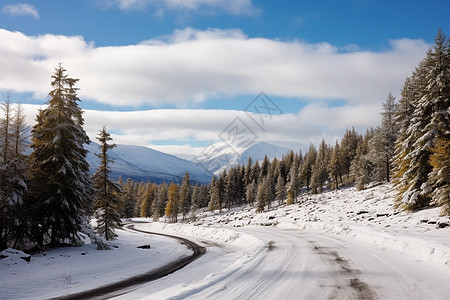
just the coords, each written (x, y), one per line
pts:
(143, 163)
(368, 216)
(223, 156)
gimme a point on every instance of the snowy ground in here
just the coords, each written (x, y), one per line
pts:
(338, 245)
(63, 271)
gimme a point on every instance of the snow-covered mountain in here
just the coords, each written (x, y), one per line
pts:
(261, 149)
(143, 163)
(220, 156)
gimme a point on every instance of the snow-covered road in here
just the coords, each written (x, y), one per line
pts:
(309, 265)
(298, 264)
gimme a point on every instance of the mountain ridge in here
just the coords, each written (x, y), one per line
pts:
(141, 163)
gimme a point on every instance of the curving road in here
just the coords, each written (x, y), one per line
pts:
(308, 265)
(123, 287)
(294, 265)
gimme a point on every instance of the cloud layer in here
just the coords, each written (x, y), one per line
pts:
(191, 66)
(312, 124)
(21, 9)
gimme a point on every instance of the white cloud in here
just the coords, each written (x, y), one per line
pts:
(20, 9)
(191, 66)
(231, 6)
(145, 128)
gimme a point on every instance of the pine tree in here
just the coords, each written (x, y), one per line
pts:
(148, 199)
(262, 195)
(129, 199)
(334, 168)
(106, 201)
(320, 173)
(307, 167)
(256, 170)
(13, 166)
(240, 182)
(195, 199)
(440, 176)
(361, 168)
(247, 177)
(250, 193)
(140, 198)
(437, 100)
(172, 207)
(159, 205)
(293, 182)
(264, 167)
(406, 106)
(270, 184)
(185, 196)
(215, 195)
(60, 181)
(348, 147)
(429, 88)
(231, 187)
(281, 190)
(382, 145)
(204, 195)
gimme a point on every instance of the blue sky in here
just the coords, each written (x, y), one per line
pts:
(327, 64)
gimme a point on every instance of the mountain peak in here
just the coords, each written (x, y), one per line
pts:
(225, 156)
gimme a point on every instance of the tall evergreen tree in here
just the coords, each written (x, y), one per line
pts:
(231, 187)
(129, 199)
(215, 195)
(204, 195)
(250, 192)
(430, 87)
(262, 195)
(264, 167)
(361, 167)
(348, 147)
(440, 176)
(382, 145)
(148, 199)
(307, 167)
(106, 200)
(247, 177)
(13, 166)
(280, 189)
(60, 180)
(185, 196)
(172, 207)
(195, 198)
(334, 168)
(256, 171)
(410, 93)
(159, 205)
(320, 173)
(293, 188)
(437, 100)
